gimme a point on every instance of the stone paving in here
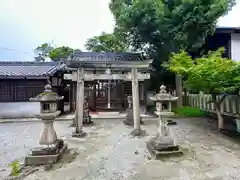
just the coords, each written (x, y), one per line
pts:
(109, 153)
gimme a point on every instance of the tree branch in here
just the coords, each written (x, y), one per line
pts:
(222, 98)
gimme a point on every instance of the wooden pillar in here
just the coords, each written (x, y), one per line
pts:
(179, 91)
(135, 96)
(122, 94)
(145, 96)
(98, 84)
(74, 95)
(109, 94)
(71, 97)
(94, 96)
(61, 102)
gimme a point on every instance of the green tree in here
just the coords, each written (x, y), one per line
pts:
(211, 74)
(107, 42)
(160, 27)
(48, 50)
(42, 51)
(60, 53)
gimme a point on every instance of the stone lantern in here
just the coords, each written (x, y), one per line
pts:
(163, 144)
(50, 146)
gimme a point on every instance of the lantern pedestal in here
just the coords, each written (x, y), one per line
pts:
(87, 121)
(49, 135)
(129, 118)
(79, 134)
(163, 145)
(166, 150)
(169, 122)
(138, 132)
(47, 155)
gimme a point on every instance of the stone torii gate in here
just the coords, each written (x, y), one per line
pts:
(80, 76)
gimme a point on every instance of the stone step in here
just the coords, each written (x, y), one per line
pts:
(102, 113)
(116, 115)
(97, 116)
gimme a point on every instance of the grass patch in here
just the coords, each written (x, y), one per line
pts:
(189, 112)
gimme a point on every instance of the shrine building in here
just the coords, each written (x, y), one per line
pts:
(107, 78)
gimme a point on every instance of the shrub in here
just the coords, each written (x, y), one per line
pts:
(15, 165)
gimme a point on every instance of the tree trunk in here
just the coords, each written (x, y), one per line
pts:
(219, 116)
(178, 80)
(218, 112)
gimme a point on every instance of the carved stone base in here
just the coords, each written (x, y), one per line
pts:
(137, 132)
(162, 142)
(129, 118)
(170, 122)
(79, 135)
(163, 146)
(87, 120)
(44, 156)
(158, 155)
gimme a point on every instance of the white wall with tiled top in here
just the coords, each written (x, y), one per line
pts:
(235, 46)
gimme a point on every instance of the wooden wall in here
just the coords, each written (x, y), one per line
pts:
(20, 90)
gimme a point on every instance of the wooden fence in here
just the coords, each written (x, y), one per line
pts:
(230, 106)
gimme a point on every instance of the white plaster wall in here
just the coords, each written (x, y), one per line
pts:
(235, 46)
(19, 109)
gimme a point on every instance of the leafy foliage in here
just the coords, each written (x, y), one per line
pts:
(210, 73)
(159, 27)
(48, 50)
(180, 62)
(43, 51)
(60, 52)
(172, 24)
(107, 43)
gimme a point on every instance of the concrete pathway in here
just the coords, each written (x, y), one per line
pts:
(109, 153)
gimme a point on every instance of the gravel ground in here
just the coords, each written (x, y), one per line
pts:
(110, 153)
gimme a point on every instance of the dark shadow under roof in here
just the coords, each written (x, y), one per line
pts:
(28, 69)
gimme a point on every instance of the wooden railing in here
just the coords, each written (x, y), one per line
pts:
(230, 106)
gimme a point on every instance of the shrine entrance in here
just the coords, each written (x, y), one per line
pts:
(109, 95)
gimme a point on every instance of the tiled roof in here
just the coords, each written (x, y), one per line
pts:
(30, 69)
(227, 29)
(105, 56)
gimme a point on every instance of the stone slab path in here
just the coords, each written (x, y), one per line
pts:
(109, 153)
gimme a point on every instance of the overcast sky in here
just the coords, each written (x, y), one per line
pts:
(24, 24)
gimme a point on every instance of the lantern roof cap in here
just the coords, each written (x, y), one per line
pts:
(163, 95)
(47, 96)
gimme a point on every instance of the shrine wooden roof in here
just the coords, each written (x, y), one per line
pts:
(102, 59)
(106, 56)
